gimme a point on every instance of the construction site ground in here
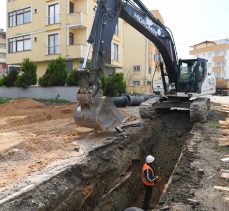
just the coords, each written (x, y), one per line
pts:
(35, 136)
(200, 179)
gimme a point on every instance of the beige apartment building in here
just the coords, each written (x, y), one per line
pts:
(45, 30)
(141, 59)
(2, 51)
(217, 54)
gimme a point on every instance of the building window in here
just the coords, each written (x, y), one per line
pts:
(149, 70)
(209, 65)
(114, 54)
(117, 29)
(19, 17)
(53, 44)
(136, 83)
(149, 83)
(2, 55)
(71, 7)
(54, 13)
(136, 68)
(71, 38)
(2, 45)
(157, 58)
(3, 36)
(18, 44)
(220, 53)
(209, 55)
(220, 64)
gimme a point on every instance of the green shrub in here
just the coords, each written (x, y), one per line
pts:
(55, 74)
(72, 78)
(2, 80)
(11, 78)
(27, 75)
(113, 85)
(4, 100)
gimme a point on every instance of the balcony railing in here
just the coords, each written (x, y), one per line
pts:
(51, 50)
(76, 51)
(54, 19)
(218, 59)
(77, 20)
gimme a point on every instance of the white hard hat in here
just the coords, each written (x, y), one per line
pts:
(149, 159)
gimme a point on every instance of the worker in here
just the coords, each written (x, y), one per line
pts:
(148, 179)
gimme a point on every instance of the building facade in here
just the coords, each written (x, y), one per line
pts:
(141, 59)
(2, 52)
(217, 54)
(45, 30)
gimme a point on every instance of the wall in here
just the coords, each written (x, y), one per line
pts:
(67, 93)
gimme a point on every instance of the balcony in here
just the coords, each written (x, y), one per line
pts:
(2, 50)
(76, 51)
(2, 60)
(218, 59)
(77, 20)
(2, 40)
(218, 69)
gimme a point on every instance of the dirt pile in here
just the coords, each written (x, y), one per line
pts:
(32, 135)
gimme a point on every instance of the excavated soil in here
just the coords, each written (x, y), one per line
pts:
(33, 135)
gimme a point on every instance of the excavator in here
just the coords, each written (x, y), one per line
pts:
(188, 80)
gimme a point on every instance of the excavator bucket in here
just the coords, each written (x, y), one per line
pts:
(100, 115)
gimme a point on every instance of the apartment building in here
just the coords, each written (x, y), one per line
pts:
(45, 30)
(217, 54)
(141, 59)
(2, 51)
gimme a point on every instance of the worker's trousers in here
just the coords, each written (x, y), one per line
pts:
(147, 199)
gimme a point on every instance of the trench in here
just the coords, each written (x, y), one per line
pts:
(110, 177)
(118, 167)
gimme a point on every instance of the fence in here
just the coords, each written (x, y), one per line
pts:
(67, 93)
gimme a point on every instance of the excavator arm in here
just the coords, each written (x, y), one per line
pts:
(92, 105)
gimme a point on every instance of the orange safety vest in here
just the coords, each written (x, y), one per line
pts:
(144, 180)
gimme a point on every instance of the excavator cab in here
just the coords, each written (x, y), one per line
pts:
(191, 75)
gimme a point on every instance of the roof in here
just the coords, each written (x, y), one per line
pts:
(206, 41)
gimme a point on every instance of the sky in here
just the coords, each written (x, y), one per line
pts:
(191, 21)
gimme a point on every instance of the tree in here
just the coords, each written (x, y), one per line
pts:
(55, 74)
(11, 78)
(72, 78)
(113, 85)
(27, 75)
(2, 80)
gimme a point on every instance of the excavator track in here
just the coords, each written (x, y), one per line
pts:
(199, 109)
(147, 110)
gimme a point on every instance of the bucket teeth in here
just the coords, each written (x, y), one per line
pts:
(101, 114)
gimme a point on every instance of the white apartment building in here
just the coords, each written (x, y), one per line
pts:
(217, 54)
